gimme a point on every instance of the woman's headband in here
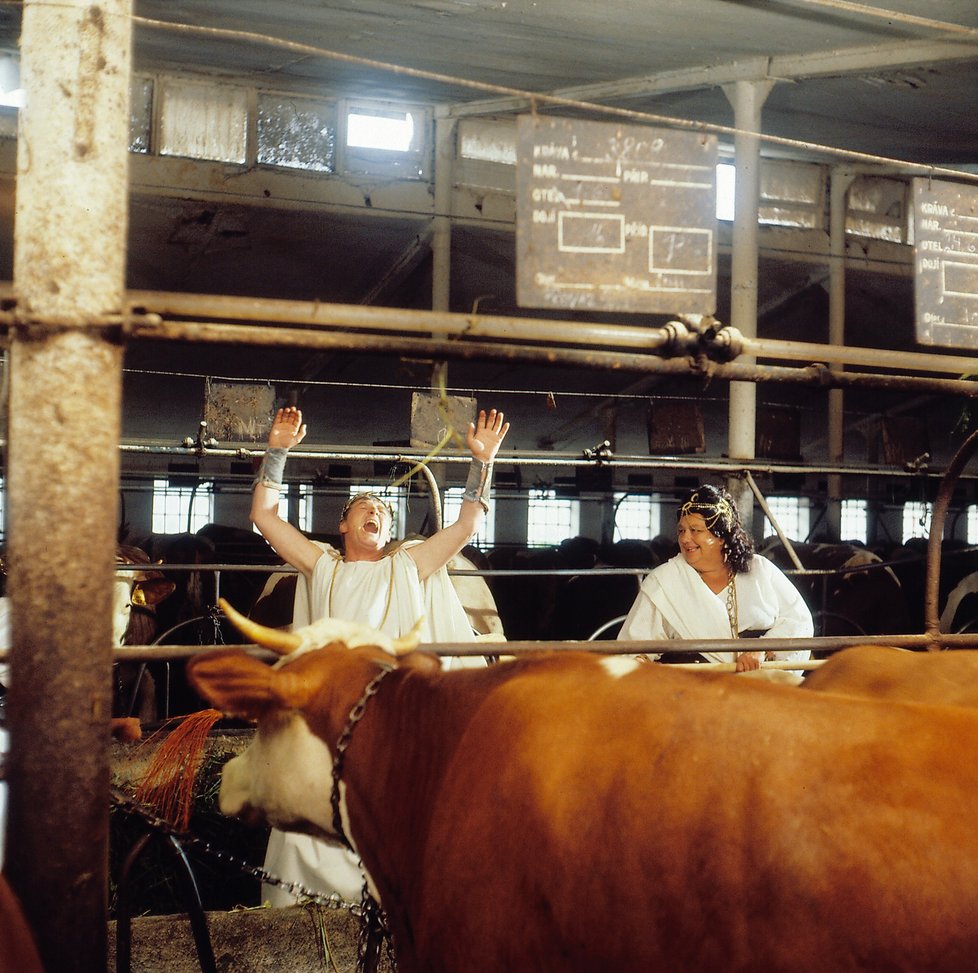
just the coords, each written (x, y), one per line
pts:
(721, 511)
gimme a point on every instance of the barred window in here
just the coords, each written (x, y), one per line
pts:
(792, 514)
(916, 519)
(181, 508)
(551, 519)
(636, 516)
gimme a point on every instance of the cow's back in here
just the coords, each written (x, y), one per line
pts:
(881, 672)
(681, 821)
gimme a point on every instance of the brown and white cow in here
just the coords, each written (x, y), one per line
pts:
(572, 812)
(882, 672)
(135, 597)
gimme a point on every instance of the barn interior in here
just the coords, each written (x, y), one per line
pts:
(244, 183)
(274, 253)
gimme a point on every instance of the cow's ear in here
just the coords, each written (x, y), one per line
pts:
(152, 591)
(235, 683)
(423, 661)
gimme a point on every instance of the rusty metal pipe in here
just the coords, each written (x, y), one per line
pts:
(305, 313)
(355, 316)
(817, 375)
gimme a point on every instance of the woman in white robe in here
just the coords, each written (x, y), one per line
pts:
(371, 582)
(716, 588)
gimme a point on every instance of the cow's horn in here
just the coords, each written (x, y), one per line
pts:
(406, 643)
(270, 638)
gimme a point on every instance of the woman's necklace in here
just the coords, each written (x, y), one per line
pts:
(732, 607)
(390, 592)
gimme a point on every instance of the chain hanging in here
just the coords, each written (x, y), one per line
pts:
(188, 840)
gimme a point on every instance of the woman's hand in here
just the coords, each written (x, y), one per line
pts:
(748, 661)
(288, 429)
(485, 436)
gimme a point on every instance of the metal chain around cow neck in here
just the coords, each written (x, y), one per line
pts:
(374, 930)
(732, 614)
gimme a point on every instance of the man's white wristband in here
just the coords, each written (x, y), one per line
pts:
(271, 473)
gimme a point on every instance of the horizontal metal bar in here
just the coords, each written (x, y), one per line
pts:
(270, 311)
(543, 458)
(823, 643)
(166, 305)
(211, 333)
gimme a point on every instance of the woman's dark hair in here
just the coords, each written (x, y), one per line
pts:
(720, 514)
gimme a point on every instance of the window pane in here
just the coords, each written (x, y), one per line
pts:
(855, 521)
(367, 129)
(179, 509)
(304, 501)
(972, 524)
(283, 510)
(140, 114)
(204, 121)
(551, 520)
(791, 514)
(296, 132)
(453, 504)
(385, 139)
(916, 519)
(636, 517)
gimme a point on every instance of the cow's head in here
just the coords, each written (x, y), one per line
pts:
(143, 589)
(301, 704)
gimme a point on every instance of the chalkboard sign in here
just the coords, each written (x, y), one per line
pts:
(615, 217)
(945, 221)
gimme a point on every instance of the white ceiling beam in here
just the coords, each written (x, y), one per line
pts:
(788, 67)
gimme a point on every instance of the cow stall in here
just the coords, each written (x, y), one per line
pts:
(69, 320)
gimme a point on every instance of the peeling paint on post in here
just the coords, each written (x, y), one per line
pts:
(63, 465)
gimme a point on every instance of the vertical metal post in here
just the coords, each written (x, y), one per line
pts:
(747, 98)
(441, 244)
(63, 465)
(441, 241)
(838, 204)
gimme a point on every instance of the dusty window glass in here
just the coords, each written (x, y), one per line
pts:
(792, 194)
(204, 121)
(487, 140)
(140, 114)
(296, 132)
(878, 208)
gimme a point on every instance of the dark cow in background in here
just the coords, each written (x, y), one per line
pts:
(546, 606)
(138, 596)
(958, 561)
(960, 613)
(859, 594)
(587, 603)
(190, 616)
(576, 812)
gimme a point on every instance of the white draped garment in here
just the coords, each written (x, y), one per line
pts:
(387, 595)
(674, 602)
